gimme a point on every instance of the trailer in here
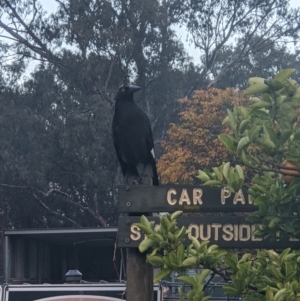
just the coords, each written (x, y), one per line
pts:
(37, 263)
(67, 292)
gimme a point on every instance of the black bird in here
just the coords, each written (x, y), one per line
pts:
(132, 136)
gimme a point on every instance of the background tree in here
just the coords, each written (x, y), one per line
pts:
(86, 49)
(193, 143)
(55, 167)
(217, 25)
(264, 63)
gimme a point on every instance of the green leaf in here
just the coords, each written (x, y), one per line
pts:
(190, 262)
(155, 261)
(253, 134)
(256, 89)
(248, 159)
(188, 280)
(285, 135)
(232, 120)
(294, 101)
(265, 143)
(276, 85)
(261, 114)
(270, 134)
(175, 215)
(226, 169)
(200, 278)
(274, 222)
(212, 183)
(226, 120)
(262, 104)
(240, 171)
(287, 115)
(203, 176)
(226, 140)
(147, 229)
(256, 80)
(284, 74)
(230, 290)
(283, 254)
(231, 263)
(162, 274)
(243, 111)
(146, 244)
(180, 253)
(242, 143)
(267, 97)
(244, 124)
(218, 173)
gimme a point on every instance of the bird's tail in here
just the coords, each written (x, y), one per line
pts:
(155, 181)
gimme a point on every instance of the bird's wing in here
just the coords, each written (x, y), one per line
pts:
(117, 147)
(147, 133)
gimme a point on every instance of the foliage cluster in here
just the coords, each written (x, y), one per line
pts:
(193, 143)
(265, 137)
(266, 275)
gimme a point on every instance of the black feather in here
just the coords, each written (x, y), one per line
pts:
(132, 137)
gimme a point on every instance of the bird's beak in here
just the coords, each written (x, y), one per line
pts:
(133, 88)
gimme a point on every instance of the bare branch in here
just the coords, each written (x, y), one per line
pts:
(14, 186)
(7, 37)
(35, 13)
(63, 6)
(27, 28)
(22, 40)
(109, 74)
(54, 212)
(69, 200)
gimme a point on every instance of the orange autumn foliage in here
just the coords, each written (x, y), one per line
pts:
(193, 143)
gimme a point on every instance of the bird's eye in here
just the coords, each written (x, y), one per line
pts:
(123, 89)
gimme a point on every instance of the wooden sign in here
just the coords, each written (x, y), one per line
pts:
(170, 198)
(226, 231)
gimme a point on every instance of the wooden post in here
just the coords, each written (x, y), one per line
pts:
(139, 277)
(139, 274)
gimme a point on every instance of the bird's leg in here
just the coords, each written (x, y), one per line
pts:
(127, 187)
(130, 180)
(146, 180)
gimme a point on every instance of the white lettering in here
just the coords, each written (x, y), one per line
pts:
(236, 232)
(135, 232)
(197, 194)
(216, 228)
(228, 235)
(241, 232)
(225, 194)
(184, 197)
(194, 233)
(239, 197)
(171, 192)
(208, 232)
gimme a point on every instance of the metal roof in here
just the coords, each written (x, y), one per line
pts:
(66, 236)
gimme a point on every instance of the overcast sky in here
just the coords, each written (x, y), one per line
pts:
(50, 6)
